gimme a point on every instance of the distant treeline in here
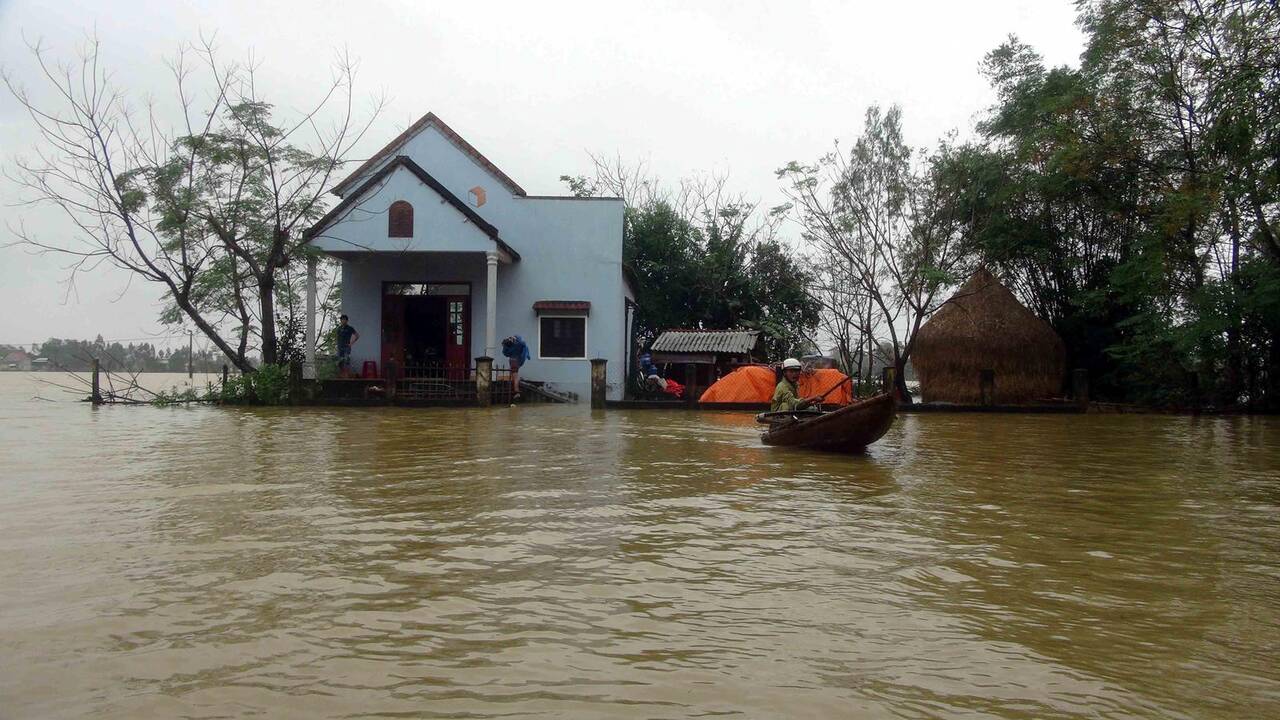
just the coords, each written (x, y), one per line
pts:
(78, 355)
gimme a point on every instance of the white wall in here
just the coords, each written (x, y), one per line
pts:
(437, 225)
(571, 249)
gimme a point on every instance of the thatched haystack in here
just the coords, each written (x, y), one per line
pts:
(984, 327)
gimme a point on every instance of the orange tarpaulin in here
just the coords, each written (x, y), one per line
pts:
(755, 384)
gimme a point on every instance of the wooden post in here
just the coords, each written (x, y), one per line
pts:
(598, 385)
(484, 381)
(1080, 386)
(987, 387)
(888, 379)
(295, 380)
(690, 378)
(96, 397)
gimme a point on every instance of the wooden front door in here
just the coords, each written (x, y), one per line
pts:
(426, 330)
(458, 336)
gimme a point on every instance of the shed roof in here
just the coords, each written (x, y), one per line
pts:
(740, 342)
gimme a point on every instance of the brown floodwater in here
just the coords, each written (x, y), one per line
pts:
(552, 561)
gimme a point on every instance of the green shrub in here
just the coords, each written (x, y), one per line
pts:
(269, 385)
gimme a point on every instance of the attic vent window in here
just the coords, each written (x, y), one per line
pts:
(477, 196)
(400, 220)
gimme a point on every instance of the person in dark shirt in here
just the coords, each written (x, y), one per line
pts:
(347, 336)
(517, 352)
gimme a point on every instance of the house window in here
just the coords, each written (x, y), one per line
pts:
(562, 337)
(400, 220)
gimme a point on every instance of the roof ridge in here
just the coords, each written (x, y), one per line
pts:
(427, 179)
(717, 330)
(450, 134)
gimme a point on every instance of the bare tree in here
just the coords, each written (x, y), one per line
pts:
(846, 319)
(879, 212)
(213, 211)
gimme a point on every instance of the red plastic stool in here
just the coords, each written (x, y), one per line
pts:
(369, 370)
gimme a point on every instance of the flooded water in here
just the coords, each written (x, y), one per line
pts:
(548, 561)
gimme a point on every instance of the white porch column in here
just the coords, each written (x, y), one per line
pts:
(491, 305)
(309, 368)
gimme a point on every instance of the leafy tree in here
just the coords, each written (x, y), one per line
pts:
(1133, 201)
(704, 258)
(214, 213)
(881, 218)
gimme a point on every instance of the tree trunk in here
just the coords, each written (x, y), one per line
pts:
(238, 360)
(1273, 373)
(267, 311)
(1235, 353)
(900, 382)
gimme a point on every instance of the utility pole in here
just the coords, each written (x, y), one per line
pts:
(191, 335)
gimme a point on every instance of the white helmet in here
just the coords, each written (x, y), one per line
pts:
(790, 363)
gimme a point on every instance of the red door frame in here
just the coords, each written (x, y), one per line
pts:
(457, 355)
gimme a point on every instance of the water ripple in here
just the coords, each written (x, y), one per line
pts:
(559, 562)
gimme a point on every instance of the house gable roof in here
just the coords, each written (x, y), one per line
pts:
(404, 161)
(428, 120)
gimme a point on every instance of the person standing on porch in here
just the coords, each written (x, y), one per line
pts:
(347, 336)
(517, 352)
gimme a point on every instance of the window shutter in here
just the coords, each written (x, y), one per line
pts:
(400, 220)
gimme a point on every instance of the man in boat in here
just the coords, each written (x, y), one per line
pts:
(786, 394)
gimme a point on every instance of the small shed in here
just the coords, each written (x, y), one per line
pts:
(985, 346)
(715, 353)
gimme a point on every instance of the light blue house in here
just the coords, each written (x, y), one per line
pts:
(443, 255)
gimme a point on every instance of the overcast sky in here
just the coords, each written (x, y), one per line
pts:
(730, 87)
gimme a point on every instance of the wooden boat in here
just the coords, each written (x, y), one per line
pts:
(850, 429)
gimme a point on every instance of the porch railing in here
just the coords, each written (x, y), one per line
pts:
(436, 371)
(446, 381)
